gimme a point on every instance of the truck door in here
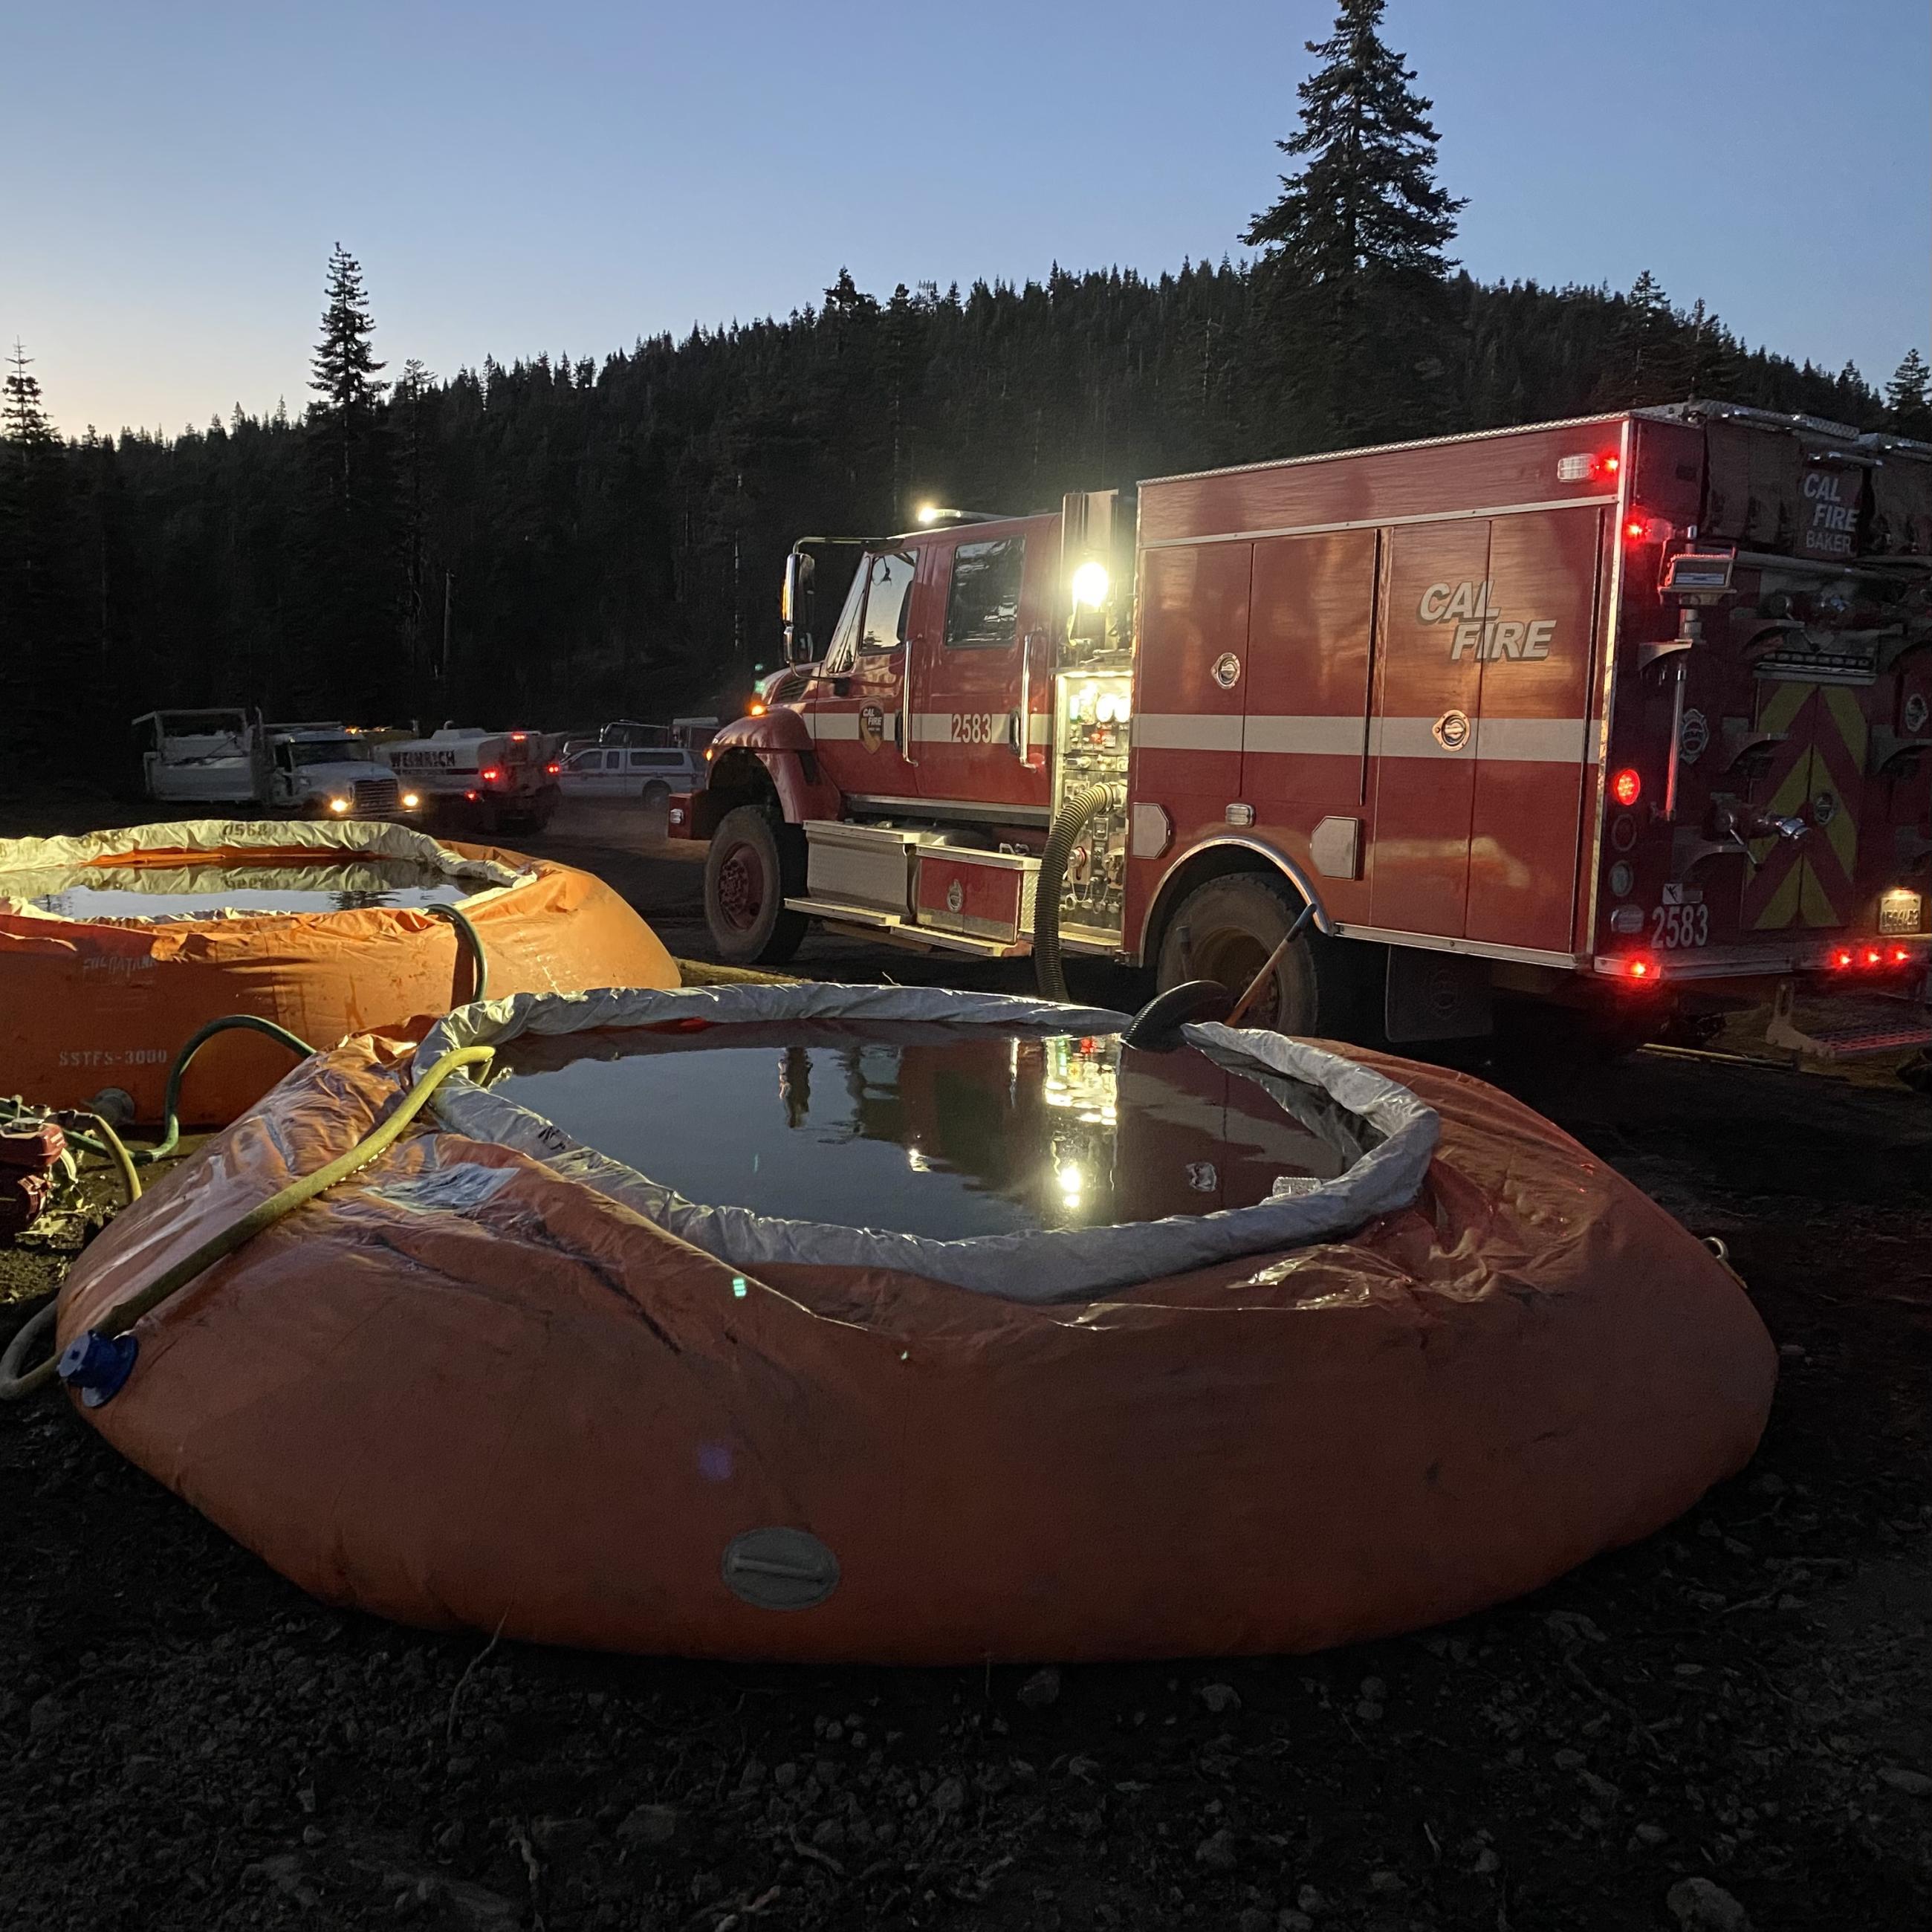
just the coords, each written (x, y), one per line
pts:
(1305, 741)
(853, 703)
(1537, 643)
(1422, 738)
(987, 644)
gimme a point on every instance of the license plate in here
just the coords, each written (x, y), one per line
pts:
(1900, 912)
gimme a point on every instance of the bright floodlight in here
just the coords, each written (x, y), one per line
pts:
(1090, 584)
(930, 513)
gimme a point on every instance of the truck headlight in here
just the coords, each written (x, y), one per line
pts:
(1090, 585)
(410, 801)
(338, 806)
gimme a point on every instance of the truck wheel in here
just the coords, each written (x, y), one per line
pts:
(751, 867)
(1225, 931)
(656, 795)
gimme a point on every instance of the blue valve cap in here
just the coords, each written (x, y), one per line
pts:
(96, 1365)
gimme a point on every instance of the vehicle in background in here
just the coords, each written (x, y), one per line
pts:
(216, 756)
(1628, 718)
(651, 772)
(484, 781)
(317, 769)
(329, 771)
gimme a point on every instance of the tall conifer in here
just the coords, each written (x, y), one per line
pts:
(1353, 261)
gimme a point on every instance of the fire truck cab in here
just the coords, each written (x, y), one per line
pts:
(1623, 713)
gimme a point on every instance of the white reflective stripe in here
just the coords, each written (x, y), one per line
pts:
(936, 728)
(1411, 738)
(929, 727)
(1560, 741)
(1537, 741)
(1187, 731)
(1318, 737)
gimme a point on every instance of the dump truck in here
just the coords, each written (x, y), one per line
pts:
(317, 768)
(1624, 716)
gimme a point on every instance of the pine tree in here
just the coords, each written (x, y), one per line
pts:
(36, 549)
(23, 417)
(343, 371)
(1353, 259)
(351, 663)
(1908, 396)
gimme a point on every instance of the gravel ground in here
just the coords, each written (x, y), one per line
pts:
(1728, 1724)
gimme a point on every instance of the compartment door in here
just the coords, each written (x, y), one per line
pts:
(1533, 737)
(1422, 740)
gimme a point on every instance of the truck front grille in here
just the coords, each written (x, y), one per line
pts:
(375, 798)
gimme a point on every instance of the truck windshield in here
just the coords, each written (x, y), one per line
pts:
(333, 751)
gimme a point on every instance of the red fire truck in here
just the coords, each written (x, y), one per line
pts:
(1627, 713)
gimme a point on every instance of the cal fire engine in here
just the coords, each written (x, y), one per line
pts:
(1627, 713)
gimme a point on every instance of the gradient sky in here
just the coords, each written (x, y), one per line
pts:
(572, 176)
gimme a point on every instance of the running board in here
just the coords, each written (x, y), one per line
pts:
(861, 922)
(1911, 1029)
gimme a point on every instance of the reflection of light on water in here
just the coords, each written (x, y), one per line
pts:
(917, 1161)
(1072, 1184)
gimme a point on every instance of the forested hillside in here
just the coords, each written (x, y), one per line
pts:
(599, 535)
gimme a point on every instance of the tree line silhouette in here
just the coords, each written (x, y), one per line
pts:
(565, 538)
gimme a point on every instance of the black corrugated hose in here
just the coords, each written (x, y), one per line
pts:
(1066, 827)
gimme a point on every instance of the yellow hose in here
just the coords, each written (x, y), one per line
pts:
(117, 1154)
(123, 1314)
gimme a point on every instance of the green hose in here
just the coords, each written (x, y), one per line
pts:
(480, 976)
(123, 1314)
(171, 1106)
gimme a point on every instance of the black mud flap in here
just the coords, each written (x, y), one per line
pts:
(1436, 996)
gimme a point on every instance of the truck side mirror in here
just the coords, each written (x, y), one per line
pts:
(795, 604)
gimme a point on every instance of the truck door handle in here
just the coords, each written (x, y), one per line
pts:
(905, 706)
(1023, 726)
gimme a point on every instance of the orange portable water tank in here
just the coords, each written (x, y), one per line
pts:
(115, 947)
(486, 1384)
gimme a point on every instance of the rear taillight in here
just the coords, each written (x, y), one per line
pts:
(1627, 787)
(552, 770)
(491, 774)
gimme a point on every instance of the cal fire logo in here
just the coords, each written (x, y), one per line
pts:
(1481, 628)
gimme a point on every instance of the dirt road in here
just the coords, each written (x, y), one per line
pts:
(1733, 1719)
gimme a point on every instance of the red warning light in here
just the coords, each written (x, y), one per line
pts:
(1640, 968)
(1901, 956)
(1609, 465)
(1636, 529)
(1874, 957)
(490, 774)
(1627, 787)
(1841, 958)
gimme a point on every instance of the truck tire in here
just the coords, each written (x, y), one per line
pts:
(752, 866)
(656, 793)
(1226, 930)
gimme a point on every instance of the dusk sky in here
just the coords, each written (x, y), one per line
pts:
(572, 176)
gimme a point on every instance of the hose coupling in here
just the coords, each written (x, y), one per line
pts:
(95, 1365)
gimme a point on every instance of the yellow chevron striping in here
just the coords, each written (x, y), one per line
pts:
(1814, 903)
(1781, 703)
(1782, 906)
(1843, 703)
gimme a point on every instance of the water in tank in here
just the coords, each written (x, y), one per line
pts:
(931, 1130)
